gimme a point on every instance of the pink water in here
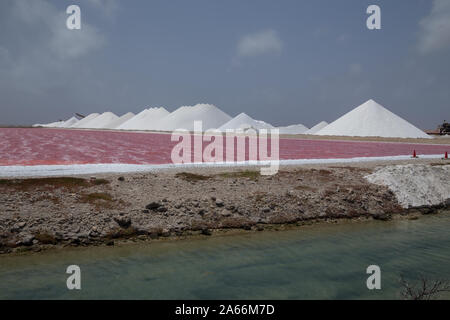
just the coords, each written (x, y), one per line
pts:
(20, 146)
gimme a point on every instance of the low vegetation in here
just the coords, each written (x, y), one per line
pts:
(100, 200)
(191, 177)
(250, 174)
(194, 177)
(305, 188)
(53, 183)
(45, 238)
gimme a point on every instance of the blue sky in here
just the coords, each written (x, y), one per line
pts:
(283, 62)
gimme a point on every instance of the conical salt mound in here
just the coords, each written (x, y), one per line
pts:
(184, 117)
(119, 121)
(243, 121)
(69, 122)
(50, 125)
(372, 120)
(84, 121)
(151, 119)
(101, 122)
(145, 120)
(293, 129)
(317, 128)
(130, 124)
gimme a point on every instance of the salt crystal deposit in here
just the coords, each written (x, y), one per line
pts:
(145, 120)
(119, 121)
(69, 122)
(243, 121)
(151, 119)
(101, 122)
(84, 121)
(129, 125)
(293, 129)
(49, 125)
(184, 117)
(372, 120)
(415, 185)
(317, 128)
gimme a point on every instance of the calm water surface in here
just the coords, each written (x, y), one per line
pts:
(315, 262)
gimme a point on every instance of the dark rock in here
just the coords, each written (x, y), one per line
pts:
(427, 210)
(381, 216)
(93, 233)
(206, 232)
(162, 209)
(219, 203)
(153, 206)
(27, 240)
(145, 211)
(153, 234)
(123, 221)
(121, 179)
(447, 203)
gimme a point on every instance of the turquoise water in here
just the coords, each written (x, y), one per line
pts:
(315, 262)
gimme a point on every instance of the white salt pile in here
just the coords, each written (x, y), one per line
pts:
(50, 125)
(293, 129)
(68, 123)
(151, 119)
(129, 125)
(101, 122)
(415, 185)
(184, 117)
(119, 121)
(84, 121)
(243, 121)
(317, 128)
(372, 120)
(144, 120)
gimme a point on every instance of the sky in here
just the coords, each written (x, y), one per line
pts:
(284, 62)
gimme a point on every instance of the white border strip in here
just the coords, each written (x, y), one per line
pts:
(81, 169)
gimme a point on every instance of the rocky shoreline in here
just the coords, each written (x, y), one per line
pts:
(42, 213)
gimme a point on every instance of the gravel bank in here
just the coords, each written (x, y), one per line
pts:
(68, 211)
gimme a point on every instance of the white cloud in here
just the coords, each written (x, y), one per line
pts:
(58, 41)
(42, 44)
(435, 28)
(260, 43)
(109, 7)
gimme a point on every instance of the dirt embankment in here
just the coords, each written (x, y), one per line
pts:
(43, 212)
